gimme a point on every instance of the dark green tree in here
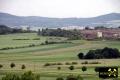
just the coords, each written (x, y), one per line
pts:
(84, 68)
(12, 65)
(81, 55)
(23, 66)
(71, 68)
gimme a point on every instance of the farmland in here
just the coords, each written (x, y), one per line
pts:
(34, 58)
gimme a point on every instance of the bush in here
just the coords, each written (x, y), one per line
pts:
(23, 66)
(42, 44)
(59, 64)
(47, 64)
(59, 78)
(11, 77)
(84, 68)
(30, 76)
(80, 55)
(31, 45)
(36, 39)
(79, 77)
(96, 69)
(46, 42)
(53, 63)
(1, 65)
(74, 63)
(71, 77)
(95, 62)
(67, 63)
(12, 65)
(71, 67)
(86, 62)
(59, 68)
(105, 53)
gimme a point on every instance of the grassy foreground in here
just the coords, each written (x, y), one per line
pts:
(35, 57)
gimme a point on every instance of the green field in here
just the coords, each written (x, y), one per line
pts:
(35, 57)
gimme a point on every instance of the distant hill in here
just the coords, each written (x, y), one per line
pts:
(112, 19)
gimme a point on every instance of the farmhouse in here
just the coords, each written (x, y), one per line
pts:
(101, 33)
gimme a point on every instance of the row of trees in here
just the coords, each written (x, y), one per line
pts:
(12, 65)
(6, 30)
(71, 34)
(105, 53)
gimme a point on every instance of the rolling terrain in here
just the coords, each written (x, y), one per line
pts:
(34, 58)
(111, 20)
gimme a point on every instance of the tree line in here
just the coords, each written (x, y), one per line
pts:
(7, 30)
(70, 34)
(105, 53)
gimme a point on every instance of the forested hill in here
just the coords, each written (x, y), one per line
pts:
(112, 19)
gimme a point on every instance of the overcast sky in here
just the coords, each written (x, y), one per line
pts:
(60, 8)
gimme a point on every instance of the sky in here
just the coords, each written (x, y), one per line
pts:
(60, 8)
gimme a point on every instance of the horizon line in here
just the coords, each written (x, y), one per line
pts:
(57, 17)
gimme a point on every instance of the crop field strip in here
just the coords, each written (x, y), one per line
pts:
(35, 57)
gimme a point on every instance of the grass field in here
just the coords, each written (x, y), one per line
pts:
(35, 57)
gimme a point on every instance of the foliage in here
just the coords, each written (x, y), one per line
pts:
(67, 63)
(105, 53)
(84, 68)
(59, 68)
(7, 30)
(1, 65)
(72, 77)
(85, 62)
(71, 34)
(23, 66)
(96, 69)
(59, 78)
(47, 64)
(11, 77)
(26, 76)
(74, 63)
(12, 65)
(30, 76)
(71, 67)
(81, 55)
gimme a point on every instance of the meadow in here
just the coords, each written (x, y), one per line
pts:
(34, 58)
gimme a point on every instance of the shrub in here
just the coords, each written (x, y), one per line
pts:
(31, 45)
(36, 39)
(59, 68)
(53, 63)
(30, 76)
(71, 77)
(84, 68)
(79, 77)
(23, 66)
(74, 63)
(11, 77)
(42, 44)
(86, 62)
(67, 63)
(46, 42)
(80, 55)
(96, 69)
(71, 67)
(59, 64)
(12, 65)
(1, 65)
(95, 62)
(59, 78)
(47, 64)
